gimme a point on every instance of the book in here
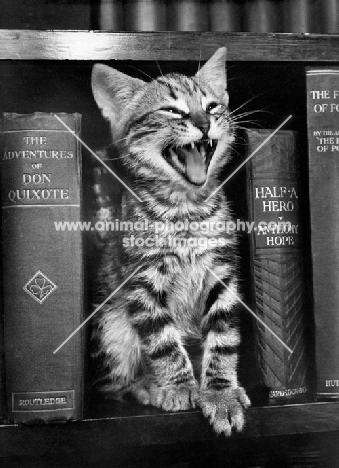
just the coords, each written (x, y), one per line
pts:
(107, 198)
(42, 266)
(225, 15)
(145, 15)
(3, 403)
(323, 146)
(45, 14)
(111, 15)
(330, 16)
(263, 16)
(187, 15)
(277, 265)
(301, 16)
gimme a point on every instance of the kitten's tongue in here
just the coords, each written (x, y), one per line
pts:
(195, 166)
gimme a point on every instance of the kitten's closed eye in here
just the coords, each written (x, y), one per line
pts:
(173, 112)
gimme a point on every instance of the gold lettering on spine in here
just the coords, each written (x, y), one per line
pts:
(17, 195)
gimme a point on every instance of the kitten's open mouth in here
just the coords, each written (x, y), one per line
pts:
(192, 160)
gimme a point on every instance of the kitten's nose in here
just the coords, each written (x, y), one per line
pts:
(204, 127)
(201, 121)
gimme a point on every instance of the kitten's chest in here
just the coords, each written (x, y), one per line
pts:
(187, 296)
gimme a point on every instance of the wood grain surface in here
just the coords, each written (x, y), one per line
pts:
(93, 45)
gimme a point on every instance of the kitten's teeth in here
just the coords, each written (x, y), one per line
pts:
(192, 144)
(203, 152)
(211, 142)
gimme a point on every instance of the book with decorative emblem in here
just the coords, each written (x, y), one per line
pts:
(323, 159)
(42, 266)
(277, 264)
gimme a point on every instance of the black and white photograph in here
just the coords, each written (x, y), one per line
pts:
(169, 261)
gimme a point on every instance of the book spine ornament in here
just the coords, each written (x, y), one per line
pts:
(323, 158)
(42, 266)
(277, 265)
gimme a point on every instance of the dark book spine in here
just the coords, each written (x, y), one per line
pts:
(145, 15)
(42, 266)
(45, 14)
(277, 265)
(187, 15)
(3, 405)
(111, 15)
(323, 151)
(225, 15)
(302, 16)
(263, 16)
(107, 196)
(330, 16)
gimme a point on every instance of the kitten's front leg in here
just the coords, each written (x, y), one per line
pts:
(172, 385)
(222, 400)
(175, 387)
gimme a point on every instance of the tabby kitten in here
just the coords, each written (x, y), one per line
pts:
(173, 136)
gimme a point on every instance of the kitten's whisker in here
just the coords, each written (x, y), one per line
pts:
(114, 159)
(116, 141)
(243, 104)
(236, 124)
(199, 67)
(144, 73)
(159, 68)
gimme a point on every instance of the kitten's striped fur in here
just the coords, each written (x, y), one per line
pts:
(173, 300)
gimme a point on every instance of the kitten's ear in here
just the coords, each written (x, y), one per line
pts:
(214, 71)
(112, 90)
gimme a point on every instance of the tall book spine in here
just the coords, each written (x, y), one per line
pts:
(187, 15)
(42, 266)
(330, 16)
(302, 16)
(107, 195)
(45, 14)
(277, 265)
(263, 16)
(225, 15)
(145, 15)
(323, 152)
(111, 15)
(3, 405)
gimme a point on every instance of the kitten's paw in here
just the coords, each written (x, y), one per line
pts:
(140, 389)
(225, 408)
(174, 397)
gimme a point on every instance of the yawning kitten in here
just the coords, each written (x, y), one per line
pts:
(173, 137)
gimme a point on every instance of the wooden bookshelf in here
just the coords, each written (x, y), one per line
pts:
(170, 46)
(109, 426)
(113, 426)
